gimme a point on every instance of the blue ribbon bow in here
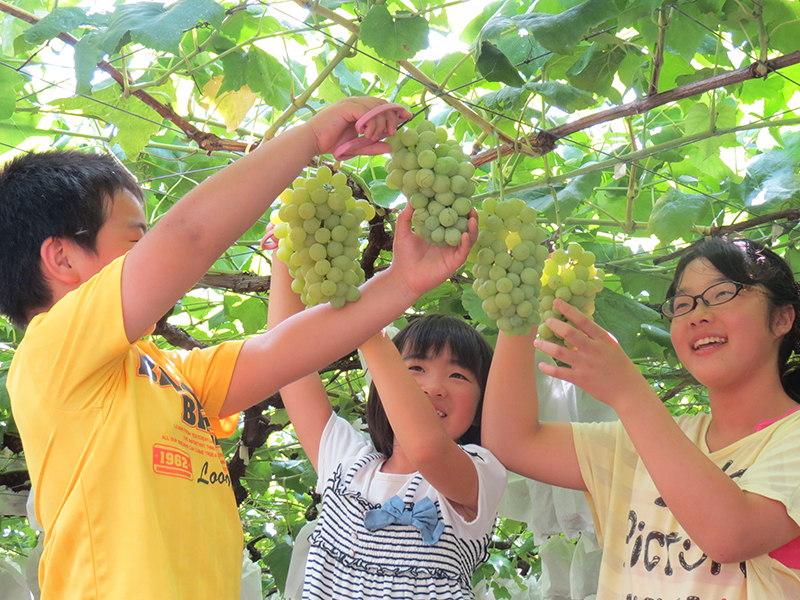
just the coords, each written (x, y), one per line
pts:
(422, 515)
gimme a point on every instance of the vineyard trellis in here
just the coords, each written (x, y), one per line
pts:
(633, 126)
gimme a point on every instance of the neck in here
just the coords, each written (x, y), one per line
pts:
(398, 462)
(739, 406)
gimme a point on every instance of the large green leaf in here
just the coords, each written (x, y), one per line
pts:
(278, 561)
(676, 213)
(772, 180)
(623, 317)
(10, 80)
(493, 65)
(560, 32)
(60, 20)
(157, 26)
(394, 37)
(562, 95)
(268, 77)
(569, 197)
(136, 123)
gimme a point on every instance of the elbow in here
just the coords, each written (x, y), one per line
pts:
(728, 548)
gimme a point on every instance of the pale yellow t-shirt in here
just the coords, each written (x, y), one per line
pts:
(646, 553)
(130, 484)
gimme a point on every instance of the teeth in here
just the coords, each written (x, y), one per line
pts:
(440, 413)
(709, 340)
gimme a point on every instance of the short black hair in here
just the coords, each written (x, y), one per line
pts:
(425, 337)
(746, 261)
(58, 193)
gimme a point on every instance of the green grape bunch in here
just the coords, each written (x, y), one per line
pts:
(318, 228)
(571, 276)
(435, 175)
(509, 257)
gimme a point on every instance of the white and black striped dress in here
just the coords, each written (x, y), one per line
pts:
(347, 560)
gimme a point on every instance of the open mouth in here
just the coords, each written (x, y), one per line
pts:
(441, 413)
(709, 342)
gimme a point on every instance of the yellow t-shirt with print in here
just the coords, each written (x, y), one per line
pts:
(646, 553)
(130, 483)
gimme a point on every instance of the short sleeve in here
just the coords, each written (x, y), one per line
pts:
(775, 473)
(339, 441)
(81, 337)
(492, 481)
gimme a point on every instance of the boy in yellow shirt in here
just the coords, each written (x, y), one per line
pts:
(121, 437)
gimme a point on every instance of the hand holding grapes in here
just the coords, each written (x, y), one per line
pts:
(597, 363)
(336, 125)
(424, 266)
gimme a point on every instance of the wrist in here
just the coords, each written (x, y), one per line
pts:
(402, 290)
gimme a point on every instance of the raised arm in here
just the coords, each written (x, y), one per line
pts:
(317, 336)
(195, 232)
(306, 399)
(510, 427)
(417, 427)
(728, 523)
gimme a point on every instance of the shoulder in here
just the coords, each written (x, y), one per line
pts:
(340, 443)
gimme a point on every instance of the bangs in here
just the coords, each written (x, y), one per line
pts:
(431, 335)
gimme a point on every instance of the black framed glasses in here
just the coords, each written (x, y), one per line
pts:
(717, 294)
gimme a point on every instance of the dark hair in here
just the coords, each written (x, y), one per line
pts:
(746, 261)
(61, 193)
(425, 337)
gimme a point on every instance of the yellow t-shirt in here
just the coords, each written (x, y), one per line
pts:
(646, 553)
(130, 484)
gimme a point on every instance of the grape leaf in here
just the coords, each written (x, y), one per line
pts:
(623, 317)
(60, 20)
(559, 33)
(397, 37)
(562, 95)
(278, 561)
(155, 26)
(135, 121)
(474, 306)
(493, 65)
(676, 213)
(267, 77)
(9, 81)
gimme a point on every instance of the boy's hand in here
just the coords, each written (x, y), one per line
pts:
(423, 265)
(335, 125)
(597, 363)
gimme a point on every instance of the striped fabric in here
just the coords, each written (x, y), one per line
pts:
(347, 560)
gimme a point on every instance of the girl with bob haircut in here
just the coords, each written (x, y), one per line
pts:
(409, 515)
(700, 506)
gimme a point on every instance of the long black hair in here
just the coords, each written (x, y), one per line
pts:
(423, 338)
(745, 261)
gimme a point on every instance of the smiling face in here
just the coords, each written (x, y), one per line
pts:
(728, 343)
(453, 390)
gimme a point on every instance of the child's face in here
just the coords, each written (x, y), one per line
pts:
(720, 345)
(124, 227)
(453, 390)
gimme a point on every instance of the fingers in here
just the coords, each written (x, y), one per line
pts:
(581, 321)
(557, 351)
(268, 242)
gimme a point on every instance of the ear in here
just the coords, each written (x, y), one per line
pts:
(58, 261)
(783, 319)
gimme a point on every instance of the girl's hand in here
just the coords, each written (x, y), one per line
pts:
(423, 265)
(336, 124)
(597, 363)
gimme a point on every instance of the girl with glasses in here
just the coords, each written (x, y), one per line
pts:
(704, 506)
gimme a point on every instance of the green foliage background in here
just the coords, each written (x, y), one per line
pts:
(204, 81)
